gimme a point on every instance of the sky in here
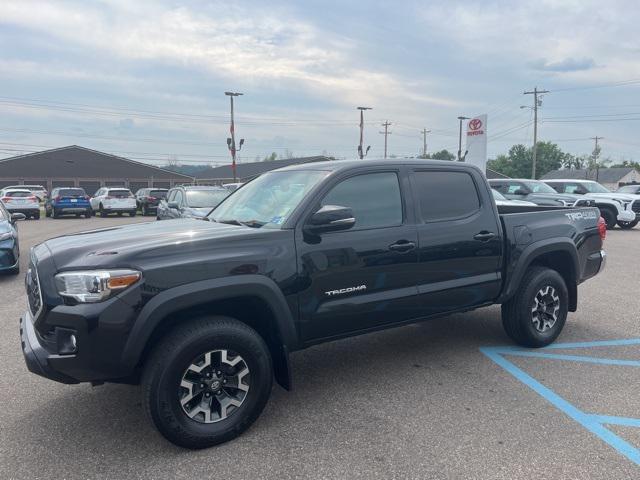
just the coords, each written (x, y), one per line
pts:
(146, 79)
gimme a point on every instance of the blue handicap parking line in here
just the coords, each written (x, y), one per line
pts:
(593, 422)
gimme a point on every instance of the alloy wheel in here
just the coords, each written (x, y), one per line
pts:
(545, 310)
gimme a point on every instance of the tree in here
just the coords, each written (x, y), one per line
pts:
(442, 155)
(627, 163)
(519, 160)
(270, 158)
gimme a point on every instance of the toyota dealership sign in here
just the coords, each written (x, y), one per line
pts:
(477, 142)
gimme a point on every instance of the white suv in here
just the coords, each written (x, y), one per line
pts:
(20, 200)
(620, 208)
(114, 200)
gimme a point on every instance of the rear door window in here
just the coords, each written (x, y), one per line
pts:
(120, 193)
(445, 195)
(71, 192)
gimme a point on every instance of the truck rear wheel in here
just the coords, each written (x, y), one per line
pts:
(536, 314)
(627, 225)
(207, 381)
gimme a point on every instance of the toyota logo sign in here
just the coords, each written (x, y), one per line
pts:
(475, 124)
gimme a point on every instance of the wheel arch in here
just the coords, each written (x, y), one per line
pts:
(558, 255)
(252, 299)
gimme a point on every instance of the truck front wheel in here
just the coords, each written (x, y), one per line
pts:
(536, 314)
(207, 381)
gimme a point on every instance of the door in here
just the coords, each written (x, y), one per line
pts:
(95, 200)
(459, 239)
(163, 206)
(364, 277)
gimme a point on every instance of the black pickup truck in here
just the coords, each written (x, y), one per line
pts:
(205, 313)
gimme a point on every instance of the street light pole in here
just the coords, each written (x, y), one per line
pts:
(361, 152)
(231, 142)
(460, 156)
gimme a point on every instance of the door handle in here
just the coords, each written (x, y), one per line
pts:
(484, 236)
(402, 246)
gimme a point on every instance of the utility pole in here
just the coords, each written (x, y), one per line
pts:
(386, 133)
(536, 104)
(361, 152)
(424, 142)
(596, 155)
(461, 157)
(231, 142)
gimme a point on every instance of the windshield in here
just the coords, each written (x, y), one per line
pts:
(205, 198)
(71, 192)
(497, 195)
(629, 189)
(594, 187)
(18, 194)
(158, 193)
(268, 200)
(539, 187)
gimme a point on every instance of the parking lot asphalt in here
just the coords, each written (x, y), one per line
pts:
(421, 401)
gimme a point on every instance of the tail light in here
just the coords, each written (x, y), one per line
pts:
(33, 199)
(86, 197)
(602, 228)
(57, 199)
(6, 199)
(151, 198)
(108, 197)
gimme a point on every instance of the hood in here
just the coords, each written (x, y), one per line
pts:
(625, 197)
(140, 243)
(5, 227)
(555, 196)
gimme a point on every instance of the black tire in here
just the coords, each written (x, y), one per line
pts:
(133, 213)
(55, 213)
(145, 212)
(170, 360)
(103, 214)
(37, 216)
(609, 218)
(517, 316)
(88, 213)
(627, 225)
(47, 213)
(15, 270)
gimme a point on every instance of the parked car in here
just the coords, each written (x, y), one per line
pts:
(537, 192)
(147, 199)
(21, 201)
(114, 200)
(38, 190)
(9, 244)
(68, 201)
(620, 208)
(205, 313)
(503, 201)
(190, 201)
(630, 189)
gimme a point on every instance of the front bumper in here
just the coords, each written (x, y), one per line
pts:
(603, 260)
(627, 216)
(38, 358)
(79, 209)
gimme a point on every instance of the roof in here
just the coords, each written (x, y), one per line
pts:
(253, 169)
(336, 165)
(80, 162)
(605, 175)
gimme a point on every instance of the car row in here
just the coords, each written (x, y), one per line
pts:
(620, 208)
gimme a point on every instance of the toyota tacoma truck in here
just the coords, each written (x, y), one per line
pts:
(205, 314)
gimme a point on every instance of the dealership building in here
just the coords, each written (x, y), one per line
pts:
(76, 166)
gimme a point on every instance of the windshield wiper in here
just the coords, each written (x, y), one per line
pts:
(250, 223)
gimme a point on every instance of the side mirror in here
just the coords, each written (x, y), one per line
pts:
(173, 205)
(581, 191)
(17, 216)
(330, 218)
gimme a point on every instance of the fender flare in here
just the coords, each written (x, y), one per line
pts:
(534, 251)
(197, 293)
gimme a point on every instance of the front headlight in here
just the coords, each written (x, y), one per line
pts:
(5, 236)
(94, 286)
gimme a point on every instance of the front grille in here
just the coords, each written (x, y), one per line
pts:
(636, 206)
(34, 295)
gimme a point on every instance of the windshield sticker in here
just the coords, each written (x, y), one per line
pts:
(277, 220)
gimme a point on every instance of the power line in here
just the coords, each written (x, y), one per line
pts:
(622, 83)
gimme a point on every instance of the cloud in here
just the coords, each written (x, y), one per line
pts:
(565, 65)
